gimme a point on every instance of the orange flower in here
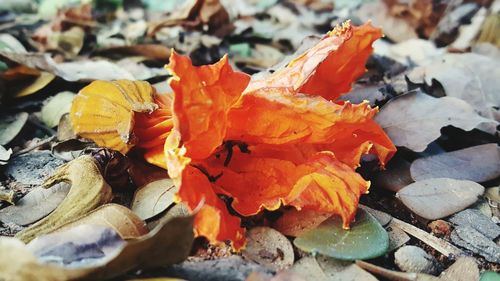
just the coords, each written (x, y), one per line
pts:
(278, 140)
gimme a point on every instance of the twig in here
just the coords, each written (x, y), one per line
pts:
(438, 244)
(35, 146)
(394, 275)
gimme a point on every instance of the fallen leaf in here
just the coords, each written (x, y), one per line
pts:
(35, 205)
(268, 247)
(337, 270)
(85, 245)
(65, 129)
(396, 29)
(365, 240)
(88, 191)
(470, 77)
(308, 267)
(71, 149)
(397, 237)
(153, 198)
(169, 243)
(87, 70)
(4, 155)
(415, 119)
(294, 222)
(117, 217)
(10, 43)
(155, 52)
(439, 197)
(463, 269)
(10, 126)
(55, 107)
(478, 163)
(38, 83)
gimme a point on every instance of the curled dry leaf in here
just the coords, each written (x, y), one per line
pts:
(56, 107)
(153, 198)
(10, 126)
(169, 243)
(119, 218)
(4, 155)
(415, 119)
(70, 71)
(439, 197)
(83, 245)
(35, 205)
(470, 77)
(268, 247)
(88, 191)
(478, 163)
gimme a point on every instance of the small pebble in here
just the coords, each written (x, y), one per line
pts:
(440, 228)
(414, 259)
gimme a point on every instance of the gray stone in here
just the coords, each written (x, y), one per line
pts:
(233, 268)
(473, 240)
(477, 220)
(414, 259)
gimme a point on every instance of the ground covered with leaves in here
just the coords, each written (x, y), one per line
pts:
(249, 140)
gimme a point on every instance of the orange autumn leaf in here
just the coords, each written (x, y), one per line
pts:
(104, 111)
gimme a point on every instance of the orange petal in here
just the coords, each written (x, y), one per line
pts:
(152, 129)
(104, 111)
(213, 219)
(274, 117)
(327, 69)
(202, 97)
(331, 187)
(322, 183)
(368, 137)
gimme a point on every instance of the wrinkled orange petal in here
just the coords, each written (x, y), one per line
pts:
(327, 69)
(332, 187)
(321, 183)
(203, 96)
(272, 117)
(104, 111)
(368, 137)
(152, 129)
(213, 219)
